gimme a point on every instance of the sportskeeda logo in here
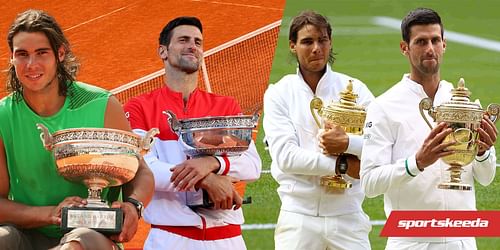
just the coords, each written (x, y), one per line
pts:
(439, 223)
(477, 223)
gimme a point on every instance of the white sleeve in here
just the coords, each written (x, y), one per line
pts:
(161, 170)
(284, 143)
(484, 167)
(355, 145)
(365, 97)
(245, 167)
(378, 173)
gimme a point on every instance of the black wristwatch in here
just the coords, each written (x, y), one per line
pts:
(138, 205)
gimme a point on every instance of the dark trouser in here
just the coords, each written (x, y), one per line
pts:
(12, 238)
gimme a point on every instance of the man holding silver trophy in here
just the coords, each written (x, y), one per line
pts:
(321, 203)
(186, 165)
(409, 162)
(34, 194)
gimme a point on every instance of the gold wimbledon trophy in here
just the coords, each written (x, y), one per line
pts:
(346, 114)
(98, 158)
(464, 117)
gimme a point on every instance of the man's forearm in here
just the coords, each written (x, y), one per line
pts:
(24, 216)
(142, 186)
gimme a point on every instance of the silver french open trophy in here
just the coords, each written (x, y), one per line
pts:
(217, 136)
(98, 158)
(464, 117)
(350, 117)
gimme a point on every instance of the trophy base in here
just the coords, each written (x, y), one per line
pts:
(455, 186)
(105, 220)
(336, 182)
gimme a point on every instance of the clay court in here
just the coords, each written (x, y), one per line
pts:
(116, 42)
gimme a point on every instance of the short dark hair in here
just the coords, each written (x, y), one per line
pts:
(166, 33)
(40, 21)
(310, 17)
(419, 16)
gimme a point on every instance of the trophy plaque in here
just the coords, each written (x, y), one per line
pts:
(464, 117)
(216, 136)
(350, 117)
(98, 158)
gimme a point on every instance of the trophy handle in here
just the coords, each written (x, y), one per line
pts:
(175, 125)
(493, 110)
(147, 141)
(255, 118)
(45, 136)
(316, 103)
(426, 104)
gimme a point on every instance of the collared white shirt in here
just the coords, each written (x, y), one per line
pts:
(292, 133)
(394, 132)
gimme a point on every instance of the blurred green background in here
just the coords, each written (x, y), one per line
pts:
(371, 53)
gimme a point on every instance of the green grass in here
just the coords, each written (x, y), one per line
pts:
(376, 60)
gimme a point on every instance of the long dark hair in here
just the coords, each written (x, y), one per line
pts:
(41, 21)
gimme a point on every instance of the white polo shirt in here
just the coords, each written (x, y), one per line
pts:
(394, 132)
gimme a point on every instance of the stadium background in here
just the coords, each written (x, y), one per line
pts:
(116, 40)
(116, 43)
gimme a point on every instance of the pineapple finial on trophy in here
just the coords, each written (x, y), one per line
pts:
(348, 97)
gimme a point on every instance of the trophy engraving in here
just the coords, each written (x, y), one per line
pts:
(350, 117)
(217, 136)
(464, 117)
(98, 158)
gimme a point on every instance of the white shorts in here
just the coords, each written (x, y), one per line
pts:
(298, 231)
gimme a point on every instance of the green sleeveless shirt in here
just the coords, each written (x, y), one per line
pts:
(32, 171)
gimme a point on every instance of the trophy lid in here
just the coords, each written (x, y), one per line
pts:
(346, 113)
(461, 99)
(347, 102)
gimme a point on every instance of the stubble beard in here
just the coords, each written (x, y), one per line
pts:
(188, 66)
(429, 70)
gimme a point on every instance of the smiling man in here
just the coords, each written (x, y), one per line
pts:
(179, 180)
(401, 154)
(312, 216)
(41, 78)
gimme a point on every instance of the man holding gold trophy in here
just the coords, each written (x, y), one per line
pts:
(321, 203)
(180, 180)
(421, 168)
(34, 193)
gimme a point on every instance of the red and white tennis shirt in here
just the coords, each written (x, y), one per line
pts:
(168, 206)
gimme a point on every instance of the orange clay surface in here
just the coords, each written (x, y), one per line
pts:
(116, 40)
